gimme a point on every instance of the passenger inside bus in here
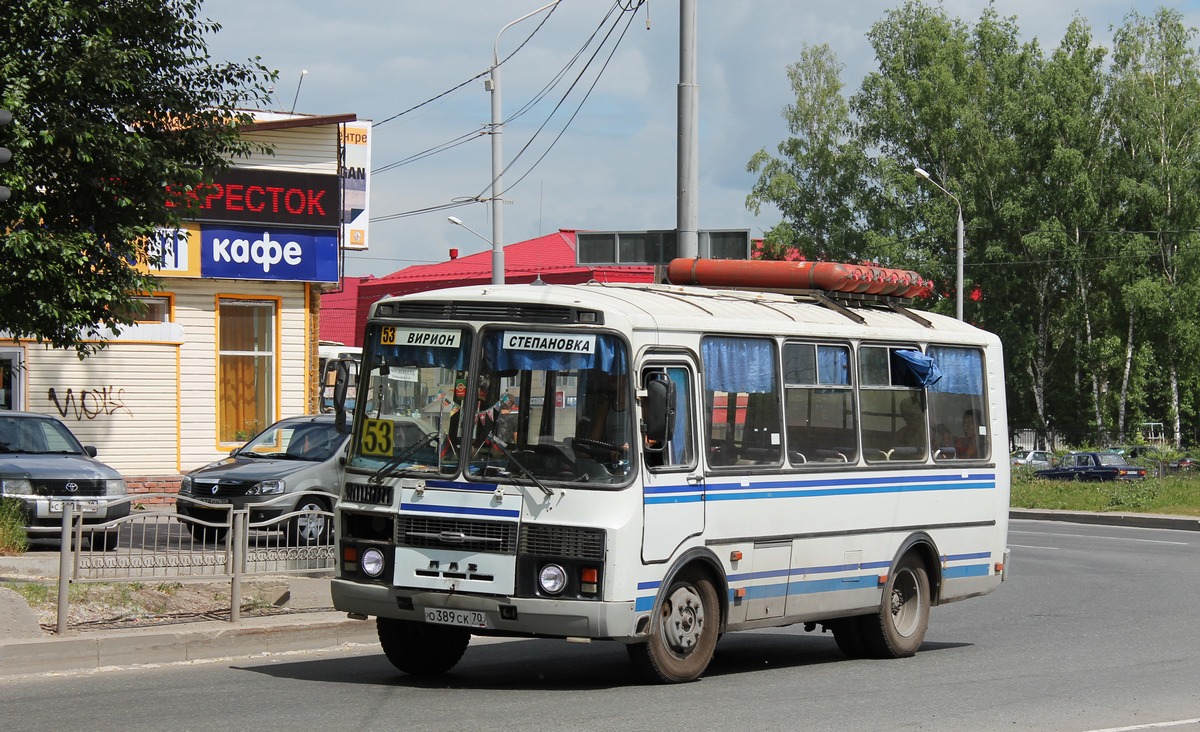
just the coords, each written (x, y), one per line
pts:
(611, 419)
(968, 445)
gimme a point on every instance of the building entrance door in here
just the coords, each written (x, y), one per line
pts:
(12, 378)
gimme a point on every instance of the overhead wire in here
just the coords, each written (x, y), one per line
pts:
(574, 114)
(480, 75)
(526, 107)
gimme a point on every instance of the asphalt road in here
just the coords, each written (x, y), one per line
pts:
(1096, 628)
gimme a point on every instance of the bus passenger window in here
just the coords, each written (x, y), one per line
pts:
(957, 404)
(894, 426)
(742, 415)
(819, 404)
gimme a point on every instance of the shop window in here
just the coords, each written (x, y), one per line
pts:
(246, 368)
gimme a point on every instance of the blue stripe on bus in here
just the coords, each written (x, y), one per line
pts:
(461, 510)
(816, 488)
(808, 587)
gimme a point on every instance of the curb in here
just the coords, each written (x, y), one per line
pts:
(190, 642)
(1138, 520)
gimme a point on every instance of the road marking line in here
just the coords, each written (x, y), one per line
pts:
(1152, 725)
(1105, 538)
(1031, 546)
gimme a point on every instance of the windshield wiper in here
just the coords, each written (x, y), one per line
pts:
(429, 440)
(503, 447)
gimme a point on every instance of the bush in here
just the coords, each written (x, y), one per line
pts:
(13, 539)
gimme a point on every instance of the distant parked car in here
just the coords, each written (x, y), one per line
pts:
(1136, 452)
(1093, 466)
(1185, 462)
(44, 466)
(293, 455)
(1032, 459)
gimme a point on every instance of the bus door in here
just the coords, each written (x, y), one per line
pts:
(672, 477)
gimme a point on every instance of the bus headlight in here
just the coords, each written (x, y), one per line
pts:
(552, 579)
(372, 562)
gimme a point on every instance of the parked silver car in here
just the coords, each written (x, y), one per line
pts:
(44, 466)
(1034, 459)
(290, 457)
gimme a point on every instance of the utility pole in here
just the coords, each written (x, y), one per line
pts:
(687, 221)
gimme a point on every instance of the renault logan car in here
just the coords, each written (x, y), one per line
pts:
(290, 457)
(45, 467)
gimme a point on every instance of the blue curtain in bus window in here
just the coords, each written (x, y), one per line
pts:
(739, 365)
(681, 438)
(921, 370)
(962, 370)
(608, 355)
(428, 356)
(833, 365)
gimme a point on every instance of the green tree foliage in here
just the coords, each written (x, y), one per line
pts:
(1079, 178)
(112, 102)
(814, 179)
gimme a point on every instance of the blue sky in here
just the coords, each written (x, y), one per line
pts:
(614, 165)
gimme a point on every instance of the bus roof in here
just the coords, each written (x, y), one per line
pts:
(689, 308)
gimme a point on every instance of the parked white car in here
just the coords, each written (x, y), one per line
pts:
(1035, 459)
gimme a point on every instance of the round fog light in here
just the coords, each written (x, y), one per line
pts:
(372, 562)
(552, 578)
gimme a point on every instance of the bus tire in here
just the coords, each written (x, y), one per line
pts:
(848, 634)
(683, 634)
(898, 629)
(421, 649)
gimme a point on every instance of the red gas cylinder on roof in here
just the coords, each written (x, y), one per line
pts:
(774, 275)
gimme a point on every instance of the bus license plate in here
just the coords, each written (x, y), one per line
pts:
(467, 618)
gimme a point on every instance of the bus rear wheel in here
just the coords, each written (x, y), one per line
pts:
(683, 635)
(898, 629)
(421, 649)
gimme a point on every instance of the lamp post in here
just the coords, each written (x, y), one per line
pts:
(458, 222)
(493, 86)
(921, 172)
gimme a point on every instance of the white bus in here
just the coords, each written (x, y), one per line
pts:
(660, 464)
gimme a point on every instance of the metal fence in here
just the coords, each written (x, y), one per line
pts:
(164, 544)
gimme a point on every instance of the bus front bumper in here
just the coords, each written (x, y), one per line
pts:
(521, 616)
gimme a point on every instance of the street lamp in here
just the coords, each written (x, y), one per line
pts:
(458, 222)
(493, 85)
(921, 172)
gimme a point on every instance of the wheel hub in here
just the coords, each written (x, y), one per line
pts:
(683, 620)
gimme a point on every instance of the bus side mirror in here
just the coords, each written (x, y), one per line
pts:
(341, 388)
(659, 414)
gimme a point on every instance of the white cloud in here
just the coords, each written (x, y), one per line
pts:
(614, 168)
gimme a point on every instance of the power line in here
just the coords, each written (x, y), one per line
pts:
(562, 101)
(481, 74)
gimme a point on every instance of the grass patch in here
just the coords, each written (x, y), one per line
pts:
(1175, 494)
(13, 539)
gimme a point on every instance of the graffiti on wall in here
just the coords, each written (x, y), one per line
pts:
(90, 403)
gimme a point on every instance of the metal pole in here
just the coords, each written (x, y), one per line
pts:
(497, 172)
(238, 541)
(498, 153)
(688, 182)
(959, 304)
(64, 566)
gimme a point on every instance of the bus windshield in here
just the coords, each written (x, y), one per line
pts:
(411, 387)
(552, 405)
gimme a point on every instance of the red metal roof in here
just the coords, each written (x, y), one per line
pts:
(550, 257)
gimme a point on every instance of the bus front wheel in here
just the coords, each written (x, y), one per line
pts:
(899, 628)
(683, 635)
(421, 649)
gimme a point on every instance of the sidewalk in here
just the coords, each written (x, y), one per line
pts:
(305, 621)
(313, 625)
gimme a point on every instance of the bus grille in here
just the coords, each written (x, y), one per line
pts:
(379, 495)
(431, 532)
(562, 541)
